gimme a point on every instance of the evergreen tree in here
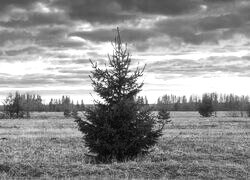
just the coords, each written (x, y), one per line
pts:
(118, 128)
(82, 107)
(66, 107)
(247, 107)
(146, 100)
(77, 106)
(51, 105)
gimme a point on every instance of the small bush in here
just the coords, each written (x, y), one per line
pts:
(3, 115)
(163, 116)
(234, 114)
(206, 106)
(67, 113)
(14, 106)
(74, 113)
(248, 110)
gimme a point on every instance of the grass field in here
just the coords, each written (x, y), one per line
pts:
(49, 146)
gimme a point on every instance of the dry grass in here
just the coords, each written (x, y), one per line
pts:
(49, 146)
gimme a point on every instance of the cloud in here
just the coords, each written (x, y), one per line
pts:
(10, 36)
(16, 3)
(110, 11)
(186, 23)
(165, 7)
(186, 31)
(211, 66)
(32, 50)
(61, 35)
(56, 37)
(75, 71)
(105, 35)
(220, 1)
(93, 10)
(221, 22)
(41, 80)
(23, 81)
(36, 19)
(71, 61)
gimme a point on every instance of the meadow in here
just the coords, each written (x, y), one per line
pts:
(49, 146)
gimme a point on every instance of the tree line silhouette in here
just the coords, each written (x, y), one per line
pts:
(19, 105)
(16, 104)
(220, 102)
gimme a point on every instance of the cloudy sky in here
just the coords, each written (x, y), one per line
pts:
(189, 46)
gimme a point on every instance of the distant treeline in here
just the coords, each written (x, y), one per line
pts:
(34, 102)
(59, 105)
(221, 102)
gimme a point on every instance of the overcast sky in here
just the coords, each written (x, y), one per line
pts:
(189, 46)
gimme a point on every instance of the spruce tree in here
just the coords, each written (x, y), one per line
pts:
(116, 127)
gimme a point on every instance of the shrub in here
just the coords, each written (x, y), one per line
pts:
(3, 115)
(206, 106)
(118, 128)
(248, 110)
(13, 106)
(164, 115)
(74, 113)
(234, 114)
(66, 113)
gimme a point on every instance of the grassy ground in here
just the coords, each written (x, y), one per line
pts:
(49, 146)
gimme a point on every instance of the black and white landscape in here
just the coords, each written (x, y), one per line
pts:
(189, 119)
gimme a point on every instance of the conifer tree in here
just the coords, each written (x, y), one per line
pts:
(82, 106)
(116, 127)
